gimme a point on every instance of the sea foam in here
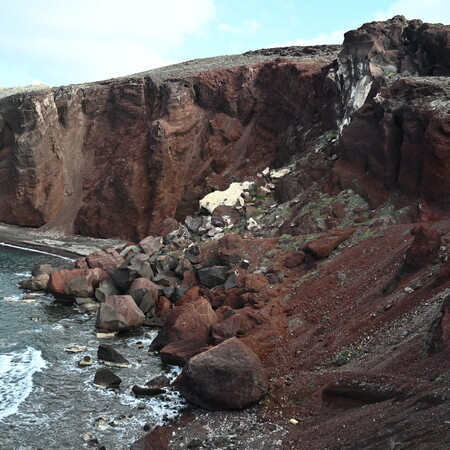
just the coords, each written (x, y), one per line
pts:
(16, 378)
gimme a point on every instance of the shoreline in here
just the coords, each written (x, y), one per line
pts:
(53, 242)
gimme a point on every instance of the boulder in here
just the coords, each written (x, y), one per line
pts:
(40, 269)
(213, 276)
(108, 260)
(229, 376)
(190, 321)
(105, 289)
(119, 313)
(168, 226)
(294, 259)
(109, 356)
(165, 263)
(105, 378)
(231, 250)
(145, 293)
(144, 391)
(179, 352)
(225, 216)
(138, 266)
(230, 197)
(37, 283)
(325, 244)
(225, 329)
(158, 439)
(75, 283)
(151, 244)
(424, 246)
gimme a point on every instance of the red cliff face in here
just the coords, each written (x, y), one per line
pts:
(116, 158)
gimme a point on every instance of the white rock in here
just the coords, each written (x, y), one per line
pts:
(408, 290)
(266, 171)
(279, 173)
(229, 197)
(252, 224)
(75, 349)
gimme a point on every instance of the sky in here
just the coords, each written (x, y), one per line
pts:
(61, 42)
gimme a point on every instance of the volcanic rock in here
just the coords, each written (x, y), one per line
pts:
(135, 267)
(179, 352)
(213, 276)
(145, 294)
(109, 356)
(105, 289)
(105, 378)
(151, 244)
(225, 329)
(76, 282)
(229, 376)
(119, 313)
(190, 321)
(424, 246)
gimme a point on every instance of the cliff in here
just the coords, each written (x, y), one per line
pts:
(116, 158)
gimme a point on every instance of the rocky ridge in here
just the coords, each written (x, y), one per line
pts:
(332, 269)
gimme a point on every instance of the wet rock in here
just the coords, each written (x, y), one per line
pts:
(424, 246)
(85, 361)
(87, 305)
(37, 283)
(75, 349)
(213, 276)
(119, 313)
(41, 269)
(151, 244)
(105, 378)
(229, 376)
(109, 356)
(160, 381)
(144, 391)
(145, 293)
(190, 321)
(225, 329)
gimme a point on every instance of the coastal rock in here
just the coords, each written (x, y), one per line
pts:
(109, 356)
(119, 313)
(151, 244)
(190, 321)
(225, 329)
(144, 391)
(105, 378)
(37, 283)
(105, 289)
(75, 283)
(136, 267)
(179, 352)
(145, 293)
(41, 269)
(229, 376)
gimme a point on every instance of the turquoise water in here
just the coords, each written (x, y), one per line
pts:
(46, 400)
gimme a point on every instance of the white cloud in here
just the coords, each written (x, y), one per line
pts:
(337, 37)
(435, 11)
(247, 27)
(88, 40)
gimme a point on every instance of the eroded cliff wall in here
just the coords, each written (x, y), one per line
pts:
(116, 158)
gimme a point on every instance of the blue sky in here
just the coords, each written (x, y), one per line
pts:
(59, 42)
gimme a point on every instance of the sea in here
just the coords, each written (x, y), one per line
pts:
(47, 401)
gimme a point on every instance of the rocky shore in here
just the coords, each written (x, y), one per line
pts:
(300, 274)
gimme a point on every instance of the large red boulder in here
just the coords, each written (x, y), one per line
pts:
(190, 321)
(76, 282)
(119, 313)
(229, 376)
